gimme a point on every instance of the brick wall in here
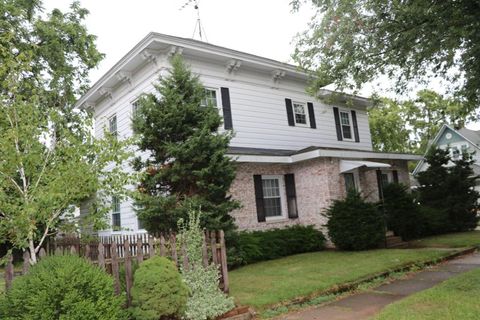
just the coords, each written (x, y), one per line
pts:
(317, 182)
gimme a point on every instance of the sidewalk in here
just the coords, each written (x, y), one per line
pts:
(365, 305)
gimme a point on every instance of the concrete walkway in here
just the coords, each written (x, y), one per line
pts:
(366, 304)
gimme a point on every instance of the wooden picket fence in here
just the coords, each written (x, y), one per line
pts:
(110, 253)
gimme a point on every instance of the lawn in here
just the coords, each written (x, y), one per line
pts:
(266, 283)
(456, 298)
(451, 240)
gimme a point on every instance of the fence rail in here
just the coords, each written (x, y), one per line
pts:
(113, 252)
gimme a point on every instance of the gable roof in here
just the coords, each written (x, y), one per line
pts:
(472, 136)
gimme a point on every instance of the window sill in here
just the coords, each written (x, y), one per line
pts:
(276, 220)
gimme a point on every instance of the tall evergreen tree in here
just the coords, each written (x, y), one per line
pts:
(186, 167)
(462, 202)
(449, 190)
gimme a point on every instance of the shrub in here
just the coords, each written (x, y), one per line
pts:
(158, 291)
(435, 220)
(354, 224)
(249, 247)
(62, 287)
(402, 213)
(206, 300)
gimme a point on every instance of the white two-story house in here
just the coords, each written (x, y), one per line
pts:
(295, 153)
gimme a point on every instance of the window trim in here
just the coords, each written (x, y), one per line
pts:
(350, 124)
(307, 114)
(281, 186)
(115, 133)
(217, 98)
(119, 213)
(134, 106)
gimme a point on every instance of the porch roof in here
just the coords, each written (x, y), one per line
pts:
(259, 155)
(349, 165)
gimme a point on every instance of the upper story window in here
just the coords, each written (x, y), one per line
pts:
(210, 98)
(272, 196)
(116, 222)
(135, 106)
(346, 126)
(301, 114)
(112, 125)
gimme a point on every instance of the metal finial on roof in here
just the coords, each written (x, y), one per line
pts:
(198, 24)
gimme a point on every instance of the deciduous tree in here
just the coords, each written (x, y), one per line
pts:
(351, 42)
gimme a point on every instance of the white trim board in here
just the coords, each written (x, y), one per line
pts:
(324, 153)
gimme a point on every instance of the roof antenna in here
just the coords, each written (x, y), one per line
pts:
(198, 24)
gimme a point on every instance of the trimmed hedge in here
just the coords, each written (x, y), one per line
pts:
(62, 287)
(354, 224)
(404, 216)
(158, 291)
(248, 247)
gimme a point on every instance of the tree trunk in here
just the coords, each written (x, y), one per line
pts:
(33, 254)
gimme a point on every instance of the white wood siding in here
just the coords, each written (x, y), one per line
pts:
(258, 113)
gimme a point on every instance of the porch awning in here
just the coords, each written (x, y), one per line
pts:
(348, 165)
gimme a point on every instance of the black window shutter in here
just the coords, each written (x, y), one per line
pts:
(227, 110)
(291, 196)
(355, 126)
(257, 180)
(395, 176)
(380, 184)
(311, 115)
(288, 104)
(337, 123)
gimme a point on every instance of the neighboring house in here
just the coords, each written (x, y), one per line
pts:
(456, 141)
(295, 154)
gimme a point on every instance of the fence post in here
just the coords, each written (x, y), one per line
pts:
(128, 271)
(26, 262)
(151, 247)
(205, 250)
(115, 271)
(224, 266)
(213, 245)
(101, 256)
(139, 250)
(87, 252)
(9, 272)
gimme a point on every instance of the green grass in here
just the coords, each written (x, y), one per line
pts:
(267, 283)
(451, 240)
(456, 298)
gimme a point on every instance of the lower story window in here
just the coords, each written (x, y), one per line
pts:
(272, 198)
(116, 223)
(349, 182)
(385, 179)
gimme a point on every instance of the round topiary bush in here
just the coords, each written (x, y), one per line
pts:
(158, 291)
(62, 287)
(354, 224)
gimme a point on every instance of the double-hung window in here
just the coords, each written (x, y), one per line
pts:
(346, 125)
(210, 98)
(135, 106)
(349, 181)
(116, 222)
(272, 196)
(300, 114)
(112, 125)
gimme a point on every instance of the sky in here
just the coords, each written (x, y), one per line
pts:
(262, 27)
